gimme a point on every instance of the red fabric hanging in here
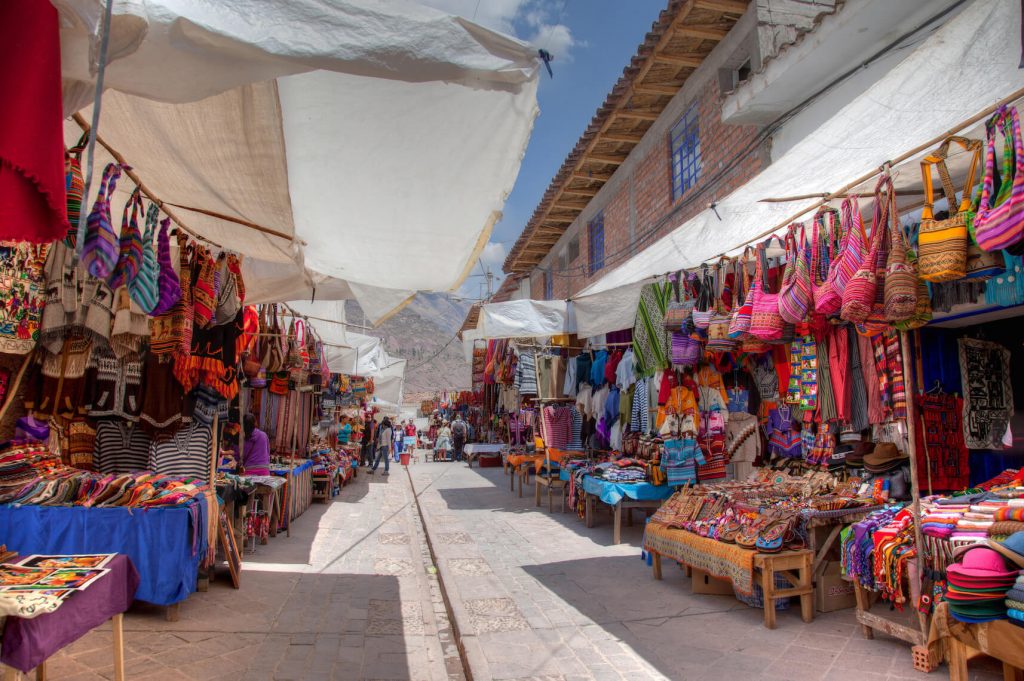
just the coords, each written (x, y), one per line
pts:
(32, 190)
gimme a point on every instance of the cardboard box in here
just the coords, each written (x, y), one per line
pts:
(831, 591)
(703, 583)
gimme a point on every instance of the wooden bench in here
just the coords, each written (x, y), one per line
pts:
(793, 566)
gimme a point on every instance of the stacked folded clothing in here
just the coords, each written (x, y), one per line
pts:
(1012, 549)
(1015, 602)
(978, 585)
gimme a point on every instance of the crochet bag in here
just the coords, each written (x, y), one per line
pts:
(766, 323)
(826, 239)
(1000, 225)
(130, 259)
(900, 273)
(704, 307)
(168, 284)
(101, 249)
(859, 294)
(144, 288)
(942, 244)
(686, 350)
(795, 292)
(739, 325)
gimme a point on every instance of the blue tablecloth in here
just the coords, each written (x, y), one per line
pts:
(283, 472)
(612, 493)
(159, 541)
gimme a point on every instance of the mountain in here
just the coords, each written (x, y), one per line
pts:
(424, 333)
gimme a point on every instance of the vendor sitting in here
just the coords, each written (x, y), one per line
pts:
(256, 453)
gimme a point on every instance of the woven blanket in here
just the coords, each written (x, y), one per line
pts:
(725, 561)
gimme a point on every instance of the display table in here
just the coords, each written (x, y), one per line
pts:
(270, 490)
(521, 465)
(166, 545)
(737, 565)
(475, 449)
(962, 642)
(298, 495)
(28, 643)
(620, 497)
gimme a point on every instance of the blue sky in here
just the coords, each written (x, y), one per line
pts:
(592, 41)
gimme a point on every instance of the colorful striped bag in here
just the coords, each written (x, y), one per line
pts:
(900, 272)
(942, 244)
(144, 287)
(859, 294)
(795, 292)
(1001, 226)
(853, 248)
(766, 323)
(100, 250)
(130, 260)
(739, 325)
(825, 248)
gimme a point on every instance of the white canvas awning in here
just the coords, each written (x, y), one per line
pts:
(340, 127)
(974, 56)
(526, 318)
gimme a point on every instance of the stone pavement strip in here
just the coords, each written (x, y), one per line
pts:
(353, 594)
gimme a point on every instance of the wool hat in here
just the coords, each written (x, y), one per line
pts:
(981, 562)
(883, 453)
(1011, 548)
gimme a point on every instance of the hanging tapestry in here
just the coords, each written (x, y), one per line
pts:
(650, 339)
(941, 453)
(988, 394)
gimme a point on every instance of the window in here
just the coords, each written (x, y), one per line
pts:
(685, 141)
(549, 285)
(595, 242)
(573, 250)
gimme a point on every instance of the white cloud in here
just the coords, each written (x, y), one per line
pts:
(534, 19)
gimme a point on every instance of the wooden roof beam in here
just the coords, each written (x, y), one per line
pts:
(706, 31)
(559, 220)
(580, 191)
(662, 90)
(592, 177)
(602, 158)
(638, 114)
(689, 60)
(727, 6)
(631, 137)
(564, 203)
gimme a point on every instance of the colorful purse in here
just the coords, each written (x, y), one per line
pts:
(795, 292)
(144, 288)
(739, 325)
(704, 307)
(942, 244)
(859, 295)
(168, 283)
(686, 350)
(677, 312)
(101, 248)
(1002, 225)
(130, 259)
(900, 274)
(826, 240)
(766, 324)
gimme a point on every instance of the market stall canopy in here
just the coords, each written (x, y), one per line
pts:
(975, 56)
(324, 150)
(525, 319)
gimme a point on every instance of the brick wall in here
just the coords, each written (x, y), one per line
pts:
(654, 211)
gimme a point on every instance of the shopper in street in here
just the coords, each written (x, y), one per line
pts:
(444, 440)
(367, 447)
(385, 443)
(460, 431)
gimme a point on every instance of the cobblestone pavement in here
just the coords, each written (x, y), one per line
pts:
(540, 596)
(353, 594)
(350, 595)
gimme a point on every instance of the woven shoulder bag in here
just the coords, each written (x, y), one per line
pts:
(739, 325)
(942, 244)
(900, 271)
(795, 292)
(766, 324)
(859, 294)
(100, 250)
(1001, 225)
(826, 239)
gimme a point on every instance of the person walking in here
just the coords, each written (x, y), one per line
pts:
(444, 441)
(367, 449)
(460, 430)
(385, 442)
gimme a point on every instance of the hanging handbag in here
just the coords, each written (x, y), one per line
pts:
(677, 312)
(853, 248)
(704, 307)
(766, 324)
(795, 292)
(1000, 225)
(686, 350)
(900, 274)
(923, 309)
(718, 328)
(826, 239)
(144, 288)
(739, 325)
(859, 294)
(130, 259)
(101, 248)
(273, 355)
(942, 244)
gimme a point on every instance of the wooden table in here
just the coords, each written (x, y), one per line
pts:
(117, 628)
(959, 643)
(793, 566)
(590, 502)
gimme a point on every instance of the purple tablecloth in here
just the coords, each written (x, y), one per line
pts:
(28, 643)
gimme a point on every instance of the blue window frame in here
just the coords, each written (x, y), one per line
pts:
(549, 285)
(685, 142)
(595, 241)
